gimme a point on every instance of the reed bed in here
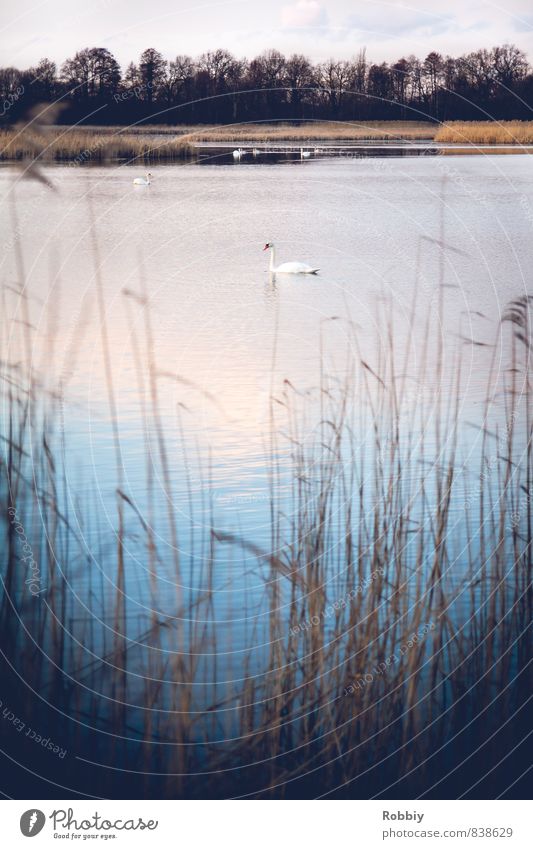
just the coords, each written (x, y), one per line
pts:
(486, 132)
(138, 129)
(316, 131)
(63, 144)
(388, 652)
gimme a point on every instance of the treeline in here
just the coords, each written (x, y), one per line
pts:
(219, 88)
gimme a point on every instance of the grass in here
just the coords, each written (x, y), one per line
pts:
(154, 143)
(486, 132)
(388, 650)
(63, 144)
(316, 131)
(100, 144)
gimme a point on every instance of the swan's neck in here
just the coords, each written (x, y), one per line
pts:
(272, 258)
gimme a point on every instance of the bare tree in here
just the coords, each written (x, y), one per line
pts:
(152, 70)
(43, 80)
(298, 77)
(510, 64)
(92, 71)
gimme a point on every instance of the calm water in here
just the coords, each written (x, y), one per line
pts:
(225, 333)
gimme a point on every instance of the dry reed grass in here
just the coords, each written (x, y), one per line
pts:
(149, 143)
(63, 144)
(486, 132)
(316, 131)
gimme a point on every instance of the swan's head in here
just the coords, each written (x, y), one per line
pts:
(268, 245)
(149, 174)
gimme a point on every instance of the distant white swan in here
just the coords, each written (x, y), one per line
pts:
(287, 267)
(255, 151)
(142, 181)
(304, 154)
(238, 153)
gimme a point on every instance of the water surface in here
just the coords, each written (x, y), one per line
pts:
(446, 234)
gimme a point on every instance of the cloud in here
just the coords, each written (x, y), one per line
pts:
(304, 13)
(392, 19)
(524, 23)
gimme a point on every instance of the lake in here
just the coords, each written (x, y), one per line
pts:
(372, 226)
(196, 402)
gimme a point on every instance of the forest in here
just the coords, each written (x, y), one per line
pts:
(219, 88)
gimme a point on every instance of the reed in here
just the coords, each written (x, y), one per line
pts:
(148, 143)
(63, 144)
(387, 647)
(316, 131)
(486, 132)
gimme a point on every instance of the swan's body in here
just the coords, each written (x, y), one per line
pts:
(304, 154)
(287, 267)
(142, 181)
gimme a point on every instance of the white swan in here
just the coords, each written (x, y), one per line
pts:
(142, 181)
(255, 151)
(238, 153)
(304, 154)
(287, 267)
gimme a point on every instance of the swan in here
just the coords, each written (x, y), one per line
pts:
(287, 267)
(142, 181)
(304, 154)
(255, 152)
(238, 153)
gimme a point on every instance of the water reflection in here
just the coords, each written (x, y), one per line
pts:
(210, 154)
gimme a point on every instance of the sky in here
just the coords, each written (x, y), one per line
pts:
(332, 28)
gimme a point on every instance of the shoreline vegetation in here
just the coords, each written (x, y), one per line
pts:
(60, 144)
(486, 132)
(151, 143)
(317, 131)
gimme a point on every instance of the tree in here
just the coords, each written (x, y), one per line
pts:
(360, 71)
(400, 78)
(479, 73)
(415, 84)
(433, 71)
(152, 70)
(221, 73)
(93, 71)
(334, 79)
(76, 74)
(132, 77)
(219, 66)
(266, 72)
(510, 64)
(497, 82)
(380, 82)
(179, 78)
(43, 80)
(106, 72)
(297, 76)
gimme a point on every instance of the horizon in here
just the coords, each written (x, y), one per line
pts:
(387, 28)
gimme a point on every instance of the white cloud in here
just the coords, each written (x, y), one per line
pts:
(304, 13)
(319, 28)
(392, 19)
